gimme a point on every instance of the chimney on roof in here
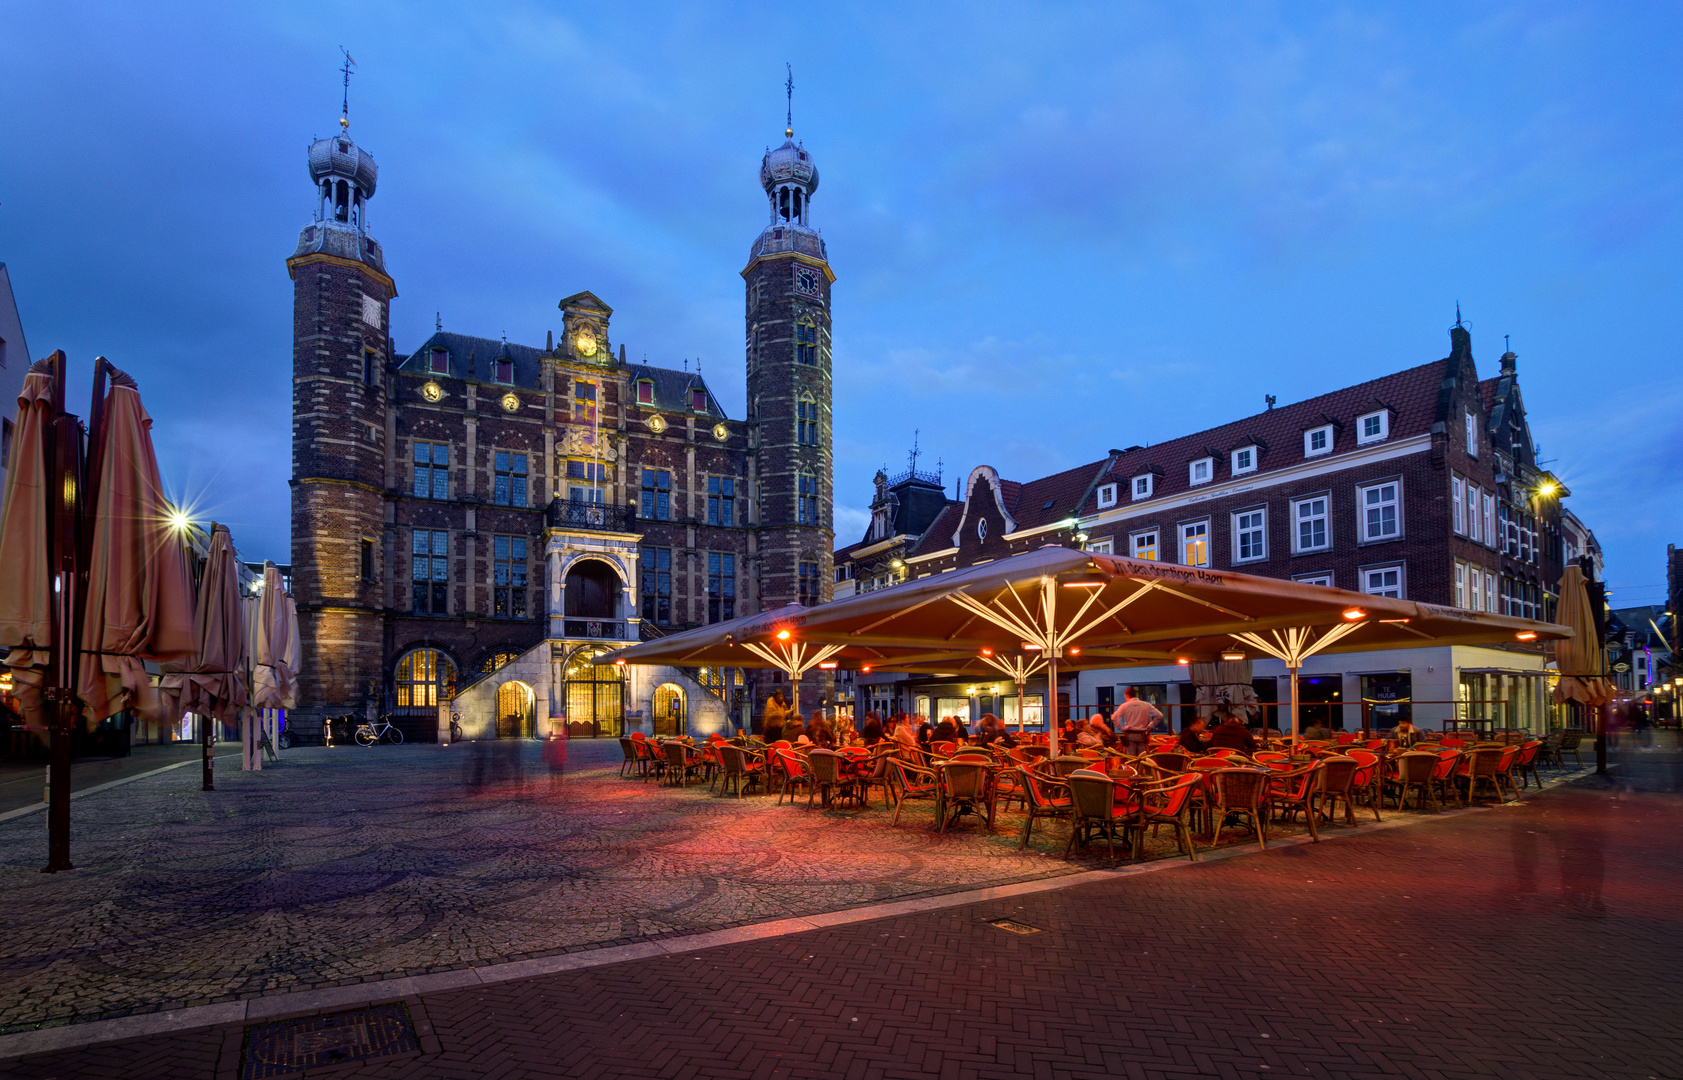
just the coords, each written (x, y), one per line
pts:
(622, 354)
(549, 341)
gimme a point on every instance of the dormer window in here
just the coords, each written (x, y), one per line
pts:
(645, 392)
(503, 371)
(1107, 496)
(439, 362)
(1143, 486)
(1244, 460)
(1317, 441)
(698, 399)
(1201, 471)
(1373, 427)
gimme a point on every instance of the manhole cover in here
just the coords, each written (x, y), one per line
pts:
(314, 1041)
(1015, 927)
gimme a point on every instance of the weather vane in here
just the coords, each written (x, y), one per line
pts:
(789, 103)
(345, 101)
(912, 457)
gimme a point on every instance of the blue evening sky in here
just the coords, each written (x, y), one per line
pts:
(1056, 228)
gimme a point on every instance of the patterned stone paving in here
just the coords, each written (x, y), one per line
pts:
(353, 864)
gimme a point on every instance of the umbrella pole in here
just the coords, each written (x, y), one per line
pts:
(64, 454)
(1293, 705)
(1051, 702)
(207, 737)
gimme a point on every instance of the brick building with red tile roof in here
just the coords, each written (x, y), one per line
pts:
(1421, 484)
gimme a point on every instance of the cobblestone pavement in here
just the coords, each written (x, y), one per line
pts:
(22, 782)
(1535, 940)
(352, 864)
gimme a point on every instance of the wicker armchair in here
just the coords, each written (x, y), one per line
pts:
(744, 768)
(1526, 764)
(1450, 762)
(1414, 773)
(1093, 796)
(1570, 740)
(1366, 780)
(1044, 798)
(628, 767)
(1061, 767)
(873, 773)
(828, 783)
(1338, 782)
(1549, 752)
(793, 773)
(1295, 790)
(1481, 766)
(965, 785)
(682, 762)
(911, 782)
(1168, 803)
(1243, 793)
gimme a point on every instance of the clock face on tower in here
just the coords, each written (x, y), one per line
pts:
(806, 281)
(584, 340)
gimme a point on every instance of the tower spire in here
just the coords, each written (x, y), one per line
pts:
(789, 103)
(345, 100)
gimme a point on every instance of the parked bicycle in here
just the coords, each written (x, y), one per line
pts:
(455, 727)
(284, 739)
(380, 730)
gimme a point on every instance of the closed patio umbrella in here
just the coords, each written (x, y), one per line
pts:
(273, 684)
(211, 683)
(25, 585)
(1579, 656)
(140, 603)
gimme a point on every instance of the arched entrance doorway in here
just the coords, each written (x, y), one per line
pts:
(422, 680)
(593, 590)
(594, 695)
(516, 716)
(669, 710)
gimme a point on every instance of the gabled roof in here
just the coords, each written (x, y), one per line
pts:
(586, 299)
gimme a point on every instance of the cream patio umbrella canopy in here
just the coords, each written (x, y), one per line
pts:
(211, 683)
(1579, 656)
(1084, 610)
(140, 603)
(25, 589)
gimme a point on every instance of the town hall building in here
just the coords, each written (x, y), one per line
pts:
(477, 521)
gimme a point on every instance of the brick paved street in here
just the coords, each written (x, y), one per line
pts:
(353, 864)
(1538, 939)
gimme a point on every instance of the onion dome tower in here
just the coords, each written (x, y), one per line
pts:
(788, 281)
(340, 355)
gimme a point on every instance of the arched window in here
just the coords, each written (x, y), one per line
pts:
(806, 342)
(806, 500)
(806, 421)
(594, 694)
(423, 678)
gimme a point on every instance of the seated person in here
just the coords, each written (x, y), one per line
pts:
(820, 731)
(993, 731)
(945, 731)
(871, 733)
(1192, 736)
(1102, 729)
(1405, 732)
(1085, 737)
(1316, 732)
(795, 732)
(1232, 733)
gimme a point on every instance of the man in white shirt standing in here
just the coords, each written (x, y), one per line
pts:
(1134, 719)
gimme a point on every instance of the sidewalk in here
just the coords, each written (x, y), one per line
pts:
(22, 782)
(1535, 939)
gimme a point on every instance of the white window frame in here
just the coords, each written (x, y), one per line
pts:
(1142, 486)
(1309, 450)
(1240, 469)
(1362, 438)
(1362, 508)
(1102, 547)
(1192, 471)
(1460, 584)
(1472, 435)
(1262, 527)
(1367, 584)
(1474, 533)
(1183, 532)
(1325, 515)
(1490, 538)
(1106, 496)
(1489, 592)
(1458, 515)
(1323, 578)
(1139, 539)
